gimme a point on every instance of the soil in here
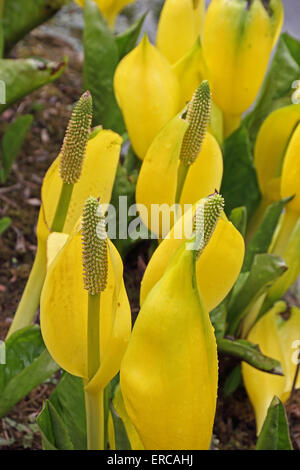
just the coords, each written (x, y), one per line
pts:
(20, 200)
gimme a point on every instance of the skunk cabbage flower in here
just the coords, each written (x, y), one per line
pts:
(179, 26)
(225, 249)
(237, 41)
(277, 338)
(109, 8)
(85, 166)
(147, 91)
(183, 163)
(169, 372)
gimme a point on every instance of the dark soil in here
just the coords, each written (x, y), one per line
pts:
(20, 200)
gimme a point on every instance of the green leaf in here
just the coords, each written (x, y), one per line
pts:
(121, 438)
(23, 76)
(233, 381)
(264, 234)
(250, 353)
(239, 185)
(12, 142)
(218, 320)
(53, 430)
(28, 364)
(101, 57)
(277, 88)
(275, 431)
(21, 16)
(126, 41)
(238, 217)
(266, 268)
(4, 224)
(62, 421)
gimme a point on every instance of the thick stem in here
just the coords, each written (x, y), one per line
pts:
(231, 123)
(288, 223)
(94, 401)
(31, 296)
(95, 420)
(181, 176)
(62, 208)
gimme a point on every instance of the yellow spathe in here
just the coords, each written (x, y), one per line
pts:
(276, 338)
(237, 43)
(216, 269)
(169, 372)
(179, 26)
(64, 310)
(147, 91)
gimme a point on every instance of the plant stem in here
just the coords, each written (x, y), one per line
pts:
(31, 296)
(181, 176)
(62, 208)
(231, 123)
(257, 218)
(94, 401)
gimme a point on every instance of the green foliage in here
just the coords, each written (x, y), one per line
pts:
(20, 17)
(233, 381)
(264, 234)
(27, 365)
(127, 40)
(277, 88)
(238, 217)
(250, 353)
(239, 185)
(23, 76)
(275, 431)
(62, 422)
(12, 142)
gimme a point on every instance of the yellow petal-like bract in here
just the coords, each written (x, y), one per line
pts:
(97, 178)
(291, 172)
(160, 167)
(64, 310)
(109, 8)
(217, 268)
(147, 91)
(277, 338)
(169, 372)
(237, 41)
(179, 27)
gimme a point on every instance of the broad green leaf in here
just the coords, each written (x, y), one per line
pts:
(28, 364)
(233, 381)
(239, 185)
(250, 353)
(21, 16)
(238, 217)
(277, 89)
(126, 41)
(275, 431)
(4, 224)
(264, 271)
(101, 57)
(264, 234)
(23, 76)
(53, 430)
(12, 142)
(218, 320)
(62, 421)
(1, 28)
